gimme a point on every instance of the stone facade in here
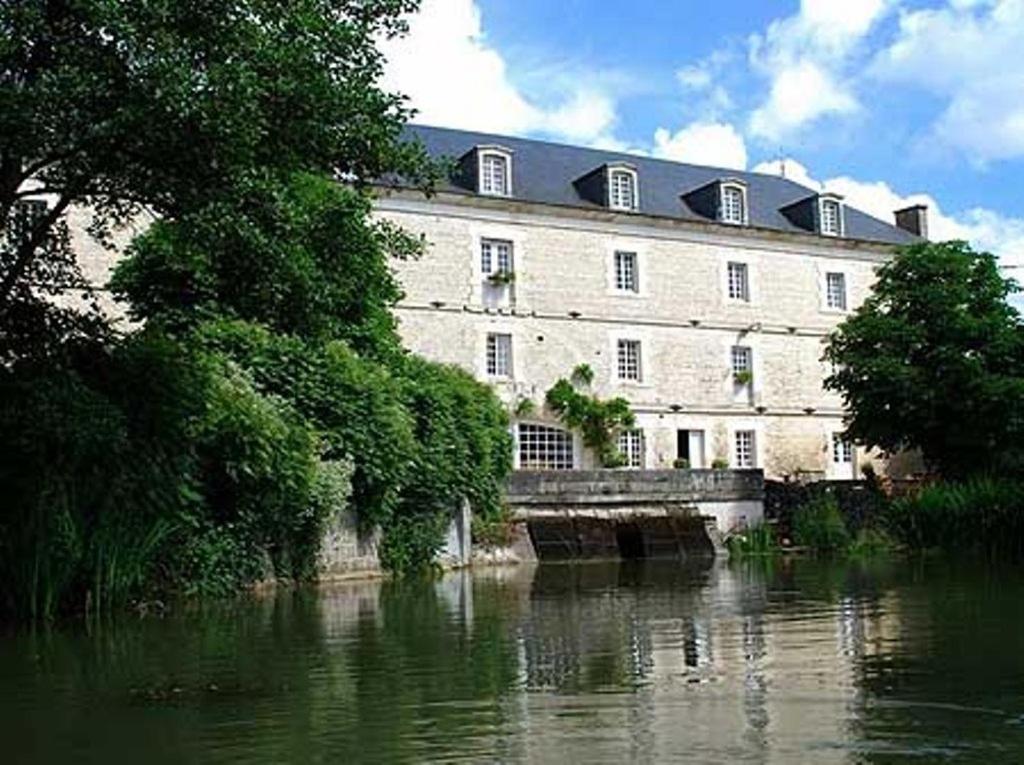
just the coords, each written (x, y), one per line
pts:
(562, 309)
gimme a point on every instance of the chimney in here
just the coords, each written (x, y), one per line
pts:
(914, 219)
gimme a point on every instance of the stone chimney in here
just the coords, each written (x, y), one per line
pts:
(914, 219)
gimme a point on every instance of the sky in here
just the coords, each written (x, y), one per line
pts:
(887, 102)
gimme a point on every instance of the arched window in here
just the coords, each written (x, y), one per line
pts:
(542, 447)
(622, 189)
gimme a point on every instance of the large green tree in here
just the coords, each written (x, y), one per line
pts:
(934, 361)
(165, 105)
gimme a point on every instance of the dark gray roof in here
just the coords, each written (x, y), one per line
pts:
(545, 172)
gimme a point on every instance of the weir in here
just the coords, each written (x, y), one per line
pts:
(634, 514)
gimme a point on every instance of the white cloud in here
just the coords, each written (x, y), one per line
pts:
(985, 229)
(970, 55)
(703, 143)
(455, 78)
(807, 58)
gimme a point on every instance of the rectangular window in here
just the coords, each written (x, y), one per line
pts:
(626, 272)
(842, 450)
(544, 448)
(628, 362)
(732, 205)
(830, 221)
(742, 360)
(622, 194)
(25, 213)
(744, 446)
(631, 446)
(495, 257)
(499, 355)
(835, 289)
(739, 284)
(494, 174)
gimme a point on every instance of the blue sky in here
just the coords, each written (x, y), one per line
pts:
(885, 101)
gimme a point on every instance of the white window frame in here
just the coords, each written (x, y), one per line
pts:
(634, 188)
(547, 430)
(632, 444)
(830, 200)
(845, 296)
(498, 360)
(483, 180)
(621, 343)
(750, 460)
(741, 357)
(491, 256)
(724, 189)
(842, 448)
(620, 286)
(747, 293)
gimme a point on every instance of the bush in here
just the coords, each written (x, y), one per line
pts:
(982, 513)
(819, 525)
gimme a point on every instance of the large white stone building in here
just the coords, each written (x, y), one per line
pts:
(700, 295)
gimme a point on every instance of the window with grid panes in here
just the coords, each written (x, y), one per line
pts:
(628, 360)
(739, 282)
(495, 256)
(494, 175)
(622, 193)
(733, 205)
(835, 290)
(631, 446)
(626, 276)
(842, 450)
(744, 449)
(544, 448)
(499, 354)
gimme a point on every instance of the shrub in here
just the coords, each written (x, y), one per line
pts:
(819, 525)
(981, 513)
(681, 464)
(719, 464)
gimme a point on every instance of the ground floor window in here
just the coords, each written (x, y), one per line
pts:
(842, 450)
(544, 448)
(744, 449)
(631, 445)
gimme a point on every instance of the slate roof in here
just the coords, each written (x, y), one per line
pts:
(544, 172)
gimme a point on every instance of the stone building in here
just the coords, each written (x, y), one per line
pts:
(700, 295)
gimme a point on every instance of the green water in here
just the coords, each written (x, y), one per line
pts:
(800, 662)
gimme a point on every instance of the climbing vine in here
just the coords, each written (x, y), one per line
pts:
(598, 421)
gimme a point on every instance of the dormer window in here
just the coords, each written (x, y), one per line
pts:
(734, 204)
(495, 172)
(622, 188)
(831, 216)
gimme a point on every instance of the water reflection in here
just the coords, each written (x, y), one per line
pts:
(795, 662)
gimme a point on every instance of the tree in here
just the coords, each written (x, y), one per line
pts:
(934, 360)
(165, 105)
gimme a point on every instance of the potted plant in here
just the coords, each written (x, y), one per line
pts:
(743, 378)
(681, 464)
(501, 278)
(719, 464)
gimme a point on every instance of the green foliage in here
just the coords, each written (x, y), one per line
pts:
(301, 257)
(492, 531)
(979, 514)
(934, 360)
(524, 407)
(166, 106)
(819, 525)
(871, 542)
(743, 378)
(756, 540)
(599, 421)
(681, 464)
(502, 278)
(719, 464)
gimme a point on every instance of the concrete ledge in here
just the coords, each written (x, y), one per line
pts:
(633, 487)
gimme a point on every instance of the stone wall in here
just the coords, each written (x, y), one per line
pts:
(731, 497)
(562, 310)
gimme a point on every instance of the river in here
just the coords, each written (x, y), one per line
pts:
(792, 661)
